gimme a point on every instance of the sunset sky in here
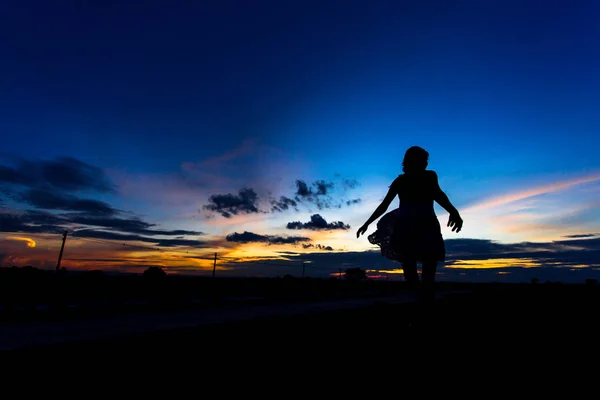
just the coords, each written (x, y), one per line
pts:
(159, 133)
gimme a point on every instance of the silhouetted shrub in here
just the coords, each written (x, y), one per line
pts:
(154, 273)
(356, 274)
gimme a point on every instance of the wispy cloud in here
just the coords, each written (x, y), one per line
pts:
(501, 200)
(542, 212)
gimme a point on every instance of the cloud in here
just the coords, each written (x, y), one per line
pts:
(325, 194)
(322, 187)
(536, 191)
(132, 229)
(15, 176)
(131, 225)
(63, 173)
(99, 234)
(302, 189)
(56, 201)
(317, 193)
(581, 236)
(564, 253)
(250, 237)
(318, 223)
(68, 173)
(283, 204)
(247, 164)
(317, 246)
(246, 202)
(29, 223)
(350, 183)
(248, 147)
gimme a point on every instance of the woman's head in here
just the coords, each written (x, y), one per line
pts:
(415, 159)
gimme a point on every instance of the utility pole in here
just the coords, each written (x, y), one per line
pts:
(303, 265)
(215, 265)
(340, 275)
(62, 247)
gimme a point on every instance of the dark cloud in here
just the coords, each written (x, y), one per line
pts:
(15, 177)
(250, 237)
(350, 183)
(63, 174)
(56, 184)
(182, 242)
(581, 236)
(28, 223)
(40, 217)
(317, 246)
(36, 221)
(283, 204)
(322, 187)
(318, 193)
(589, 244)
(302, 189)
(99, 234)
(478, 249)
(318, 223)
(131, 225)
(57, 201)
(70, 174)
(246, 202)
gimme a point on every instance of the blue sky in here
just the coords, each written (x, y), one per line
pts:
(176, 102)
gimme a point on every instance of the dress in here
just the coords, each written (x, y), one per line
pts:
(412, 231)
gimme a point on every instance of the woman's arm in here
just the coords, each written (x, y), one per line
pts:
(440, 197)
(380, 210)
(455, 221)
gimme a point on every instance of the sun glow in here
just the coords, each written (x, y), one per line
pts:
(30, 242)
(494, 263)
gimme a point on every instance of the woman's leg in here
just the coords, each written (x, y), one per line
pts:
(428, 280)
(411, 276)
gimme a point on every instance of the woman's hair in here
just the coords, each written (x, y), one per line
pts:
(415, 159)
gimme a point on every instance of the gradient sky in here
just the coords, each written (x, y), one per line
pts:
(180, 126)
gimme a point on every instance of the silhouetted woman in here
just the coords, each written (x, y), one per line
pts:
(411, 233)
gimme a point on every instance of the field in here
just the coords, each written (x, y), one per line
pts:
(470, 318)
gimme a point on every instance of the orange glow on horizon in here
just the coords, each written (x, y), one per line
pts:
(386, 271)
(494, 263)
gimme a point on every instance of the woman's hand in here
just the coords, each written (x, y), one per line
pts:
(455, 222)
(362, 230)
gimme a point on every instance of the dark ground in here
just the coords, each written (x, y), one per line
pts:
(492, 322)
